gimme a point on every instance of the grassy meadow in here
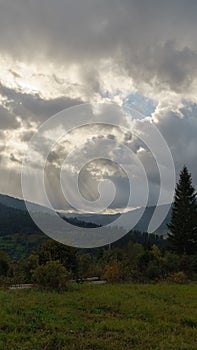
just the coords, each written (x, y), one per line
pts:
(100, 317)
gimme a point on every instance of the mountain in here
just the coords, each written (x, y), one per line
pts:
(19, 235)
(17, 203)
(12, 202)
(142, 225)
(98, 219)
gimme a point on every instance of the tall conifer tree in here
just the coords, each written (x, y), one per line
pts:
(183, 226)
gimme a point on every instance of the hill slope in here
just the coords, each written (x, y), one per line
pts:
(19, 235)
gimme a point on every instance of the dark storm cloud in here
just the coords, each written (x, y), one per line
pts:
(32, 106)
(170, 68)
(7, 119)
(180, 134)
(151, 39)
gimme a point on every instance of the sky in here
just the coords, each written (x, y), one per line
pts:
(133, 54)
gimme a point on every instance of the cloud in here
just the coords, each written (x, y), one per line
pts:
(154, 42)
(55, 55)
(14, 159)
(32, 107)
(7, 119)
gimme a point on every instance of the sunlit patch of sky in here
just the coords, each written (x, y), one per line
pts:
(189, 109)
(138, 105)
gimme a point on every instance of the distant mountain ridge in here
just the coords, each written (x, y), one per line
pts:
(98, 219)
(142, 225)
(17, 203)
(12, 202)
(19, 235)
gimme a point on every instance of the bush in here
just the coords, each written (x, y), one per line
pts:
(4, 263)
(178, 277)
(5, 282)
(85, 263)
(153, 271)
(112, 272)
(52, 276)
(31, 264)
(171, 262)
(55, 251)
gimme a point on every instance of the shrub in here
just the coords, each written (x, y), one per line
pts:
(52, 276)
(153, 271)
(171, 262)
(112, 272)
(85, 263)
(178, 277)
(5, 282)
(4, 263)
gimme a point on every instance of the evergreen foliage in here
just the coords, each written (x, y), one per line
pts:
(183, 225)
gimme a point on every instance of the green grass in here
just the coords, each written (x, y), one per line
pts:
(100, 317)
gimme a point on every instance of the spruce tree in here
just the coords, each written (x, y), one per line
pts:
(183, 226)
